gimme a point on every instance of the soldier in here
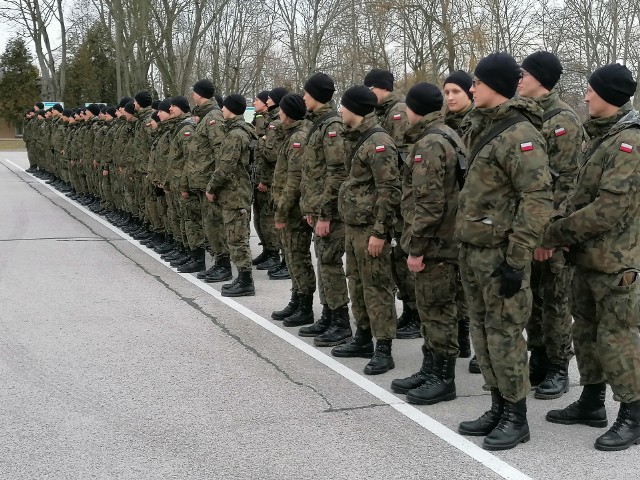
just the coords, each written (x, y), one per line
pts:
(230, 185)
(503, 208)
(267, 154)
(602, 233)
(368, 201)
(288, 219)
(458, 101)
(114, 163)
(392, 116)
(323, 173)
(27, 137)
(549, 328)
(432, 177)
(205, 151)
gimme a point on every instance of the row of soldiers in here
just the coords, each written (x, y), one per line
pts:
(497, 209)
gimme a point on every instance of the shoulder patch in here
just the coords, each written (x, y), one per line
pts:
(332, 134)
(187, 134)
(526, 147)
(560, 131)
(296, 145)
(380, 148)
(212, 122)
(397, 116)
(272, 127)
(417, 158)
(625, 147)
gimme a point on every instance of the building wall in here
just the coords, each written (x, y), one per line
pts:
(6, 130)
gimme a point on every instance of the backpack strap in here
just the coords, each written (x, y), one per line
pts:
(461, 164)
(552, 113)
(363, 138)
(494, 132)
(320, 120)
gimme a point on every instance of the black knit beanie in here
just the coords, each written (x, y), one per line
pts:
(359, 100)
(263, 96)
(380, 79)
(165, 105)
(182, 103)
(235, 103)
(124, 101)
(93, 108)
(143, 98)
(130, 108)
(155, 117)
(500, 72)
(293, 106)
(614, 83)
(320, 86)
(277, 93)
(111, 111)
(204, 88)
(424, 98)
(40, 106)
(545, 67)
(67, 112)
(154, 104)
(58, 108)
(462, 79)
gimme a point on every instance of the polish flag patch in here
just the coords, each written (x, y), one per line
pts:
(417, 158)
(397, 116)
(296, 145)
(272, 127)
(212, 122)
(625, 147)
(526, 147)
(187, 134)
(333, 134)
(380, 148)
(560, 132)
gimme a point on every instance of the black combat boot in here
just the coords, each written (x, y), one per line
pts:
(272, 260)
(489, 420)
(512, 429)
(164, 247)
(279, 272)
(196, 264)
(242, 286)
(205, 273)
(474, 366)
(440, 384)
(360, 345)
(464, 343)
(538, 365)
(260, 258)
(303, 315)
(382, 361)
(587, 410)
(408, 323)
(290, 309)
(624, 432)
(403, 385)
(338, 332)
(222, 271)
(173, 253)
(318, 327)
(186, 257)
(555, 384)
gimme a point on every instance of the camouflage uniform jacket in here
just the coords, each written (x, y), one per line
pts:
(154, 136)
(209, 134)
(70, 151)
(455, 120)
(122, 138)
(603, 227)
(109, 145)
(430, 190)
(564, 135)
(230, 181)
(323, 169)
(507, 199)
(162, 147)
(141, 141)
(371, 193)
(179, 150)
(392, 116)
(288, 172)
(260, 123)
(57, 139)
(267, 151)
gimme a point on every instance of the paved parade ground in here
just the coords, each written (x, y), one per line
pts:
(115, 366)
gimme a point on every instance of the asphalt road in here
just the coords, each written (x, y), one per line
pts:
(114, 366)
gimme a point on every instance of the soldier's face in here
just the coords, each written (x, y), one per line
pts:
(412, 117)
(483, 96)
(598, 108)
(311, 103)
(175, 111)
(164, 116)
(348, 117)
(259, 105)
(456, 98)
(270, 103)
(528, 86)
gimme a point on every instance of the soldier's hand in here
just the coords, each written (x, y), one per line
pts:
(210, 196)
(310, 220)
(105, 173)
(542, 254)
(322, 228)
(375, 246)
(511, 279)
(262, 187)
(280, 226)
(184, 194)
(415, 264)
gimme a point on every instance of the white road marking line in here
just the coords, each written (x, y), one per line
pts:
(470, 449)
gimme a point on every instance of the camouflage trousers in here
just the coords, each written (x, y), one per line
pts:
(436, 303)
(605, 330)
(192, 214)
(151, 206)
(31, 155)
(549, 327)
(263, 213)
(237, 231)
(296, 243)
(173, 217)
(370, 284)
(332, 281)
(213, 226)
(497, 323)
(403, 278)
(105, 191)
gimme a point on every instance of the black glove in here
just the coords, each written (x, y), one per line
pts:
(511, 279)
